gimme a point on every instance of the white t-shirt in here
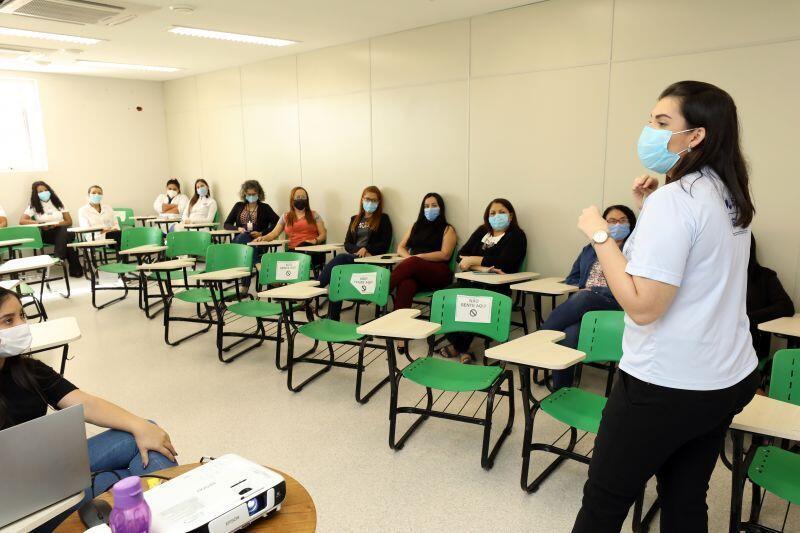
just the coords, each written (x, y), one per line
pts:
(50, 213)
(202, 211)
(89, 217)
(2, 211)
(180, 200)
(685, 237)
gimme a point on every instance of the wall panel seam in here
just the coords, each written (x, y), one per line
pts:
(608, 105)
(297, 106)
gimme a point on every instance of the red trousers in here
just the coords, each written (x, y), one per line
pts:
(414, 275)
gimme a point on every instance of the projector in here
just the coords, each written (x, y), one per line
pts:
(221, 496)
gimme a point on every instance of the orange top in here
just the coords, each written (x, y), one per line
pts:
(301, 231)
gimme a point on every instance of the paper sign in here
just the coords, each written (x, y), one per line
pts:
(364, 283)
(287, 270)
(121, 215)
(473, 309)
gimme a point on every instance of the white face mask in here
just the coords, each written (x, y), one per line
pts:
(172, 193)
(16, 340)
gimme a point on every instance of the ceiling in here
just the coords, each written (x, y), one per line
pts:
(144, 40)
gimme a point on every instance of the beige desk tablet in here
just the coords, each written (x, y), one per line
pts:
(14, 242)
(789, 326)
(303, 290)
(392, 259)
(54, 333)
(549, 286)
(98, 243)
(92, 229)
(400, 324)
(223, 232)
(144, 250)
(321, 248)
(25, 264)
(770, 417)
(172, 264)
(200, 225)
(145, 217)
(496, 279)
(227, 274)
(275, 243)
(537, 350)
(9, 284)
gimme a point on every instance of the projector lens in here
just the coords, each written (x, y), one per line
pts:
(254, 506)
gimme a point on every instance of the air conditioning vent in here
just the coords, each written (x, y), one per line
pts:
(81, 12)
(13, 51)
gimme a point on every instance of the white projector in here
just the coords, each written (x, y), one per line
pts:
(220, 496)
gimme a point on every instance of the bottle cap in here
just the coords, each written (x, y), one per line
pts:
(127, 492)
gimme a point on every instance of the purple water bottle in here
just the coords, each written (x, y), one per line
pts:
(130, 514)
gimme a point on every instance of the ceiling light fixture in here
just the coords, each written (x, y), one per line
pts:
(15, 32)
(126, 66)
(226, 36)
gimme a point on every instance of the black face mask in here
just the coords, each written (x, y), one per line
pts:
(300, 204)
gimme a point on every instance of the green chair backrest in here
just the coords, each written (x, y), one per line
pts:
(23, 232)
(194, 243)
(222, 256)
(784, 383)
(360, 282)
(125, 217)
(134, 237)
(284, 267)
(478, 311)
(600, 337)
(454, 259)
(523, 267)
(216, 217)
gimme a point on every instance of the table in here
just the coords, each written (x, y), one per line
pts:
(275, 243)
(164, 222)
(31, 522)
(490, 278)
(218, 236)
(553, 287)
(321, 248)
(144, 218)
(538, 351)
(10, 284)
(385, 260)
(53, 334)
(200, 225)
(82, 232)
(34, 263)
(788, 327)
(298, 513)
(142, 254)
(8, 245)
(762, 416)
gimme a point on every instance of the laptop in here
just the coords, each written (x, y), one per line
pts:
(45, 460)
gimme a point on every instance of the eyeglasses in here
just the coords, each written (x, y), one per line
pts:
(623, 220)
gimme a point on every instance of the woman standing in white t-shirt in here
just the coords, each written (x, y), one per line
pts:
(688, 363)
(46, 207)
(201, 208)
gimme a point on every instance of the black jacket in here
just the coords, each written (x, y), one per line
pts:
(507, 255)
(266, 218)
(766, 297)
(378, 241)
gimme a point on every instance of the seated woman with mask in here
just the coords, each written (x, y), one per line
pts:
(594, 294)
(96, 214)
(498, 245)
(132, 446)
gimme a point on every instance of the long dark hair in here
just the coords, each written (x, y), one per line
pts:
(513, 225)
(375, 219)
(36, 204)
(196, 196)
(291, 218)
(707, 106)
(625, 209)
(21, 369)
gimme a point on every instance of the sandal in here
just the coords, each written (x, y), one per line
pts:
(467, 358)
(448, 352)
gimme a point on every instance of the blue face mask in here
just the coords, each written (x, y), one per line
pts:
(44, 196)
(500, 221)
(653, 151)
(202, 192)
(431, 213)
(251, 198)
(95, 198)
(619, 232)
(369, 207)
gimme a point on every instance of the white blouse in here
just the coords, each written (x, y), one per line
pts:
(89, 217)
(51, 213)
(181, 201)
(204, 210)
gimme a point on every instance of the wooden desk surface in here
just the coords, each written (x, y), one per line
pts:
(97, 243)
(223, 275)
(275, 242)
(302, 290)
(537, 350)
(24, 264)
(496, 279)
(91, 229)
(144, 217)
(201, 225)
(142, 250)
(223, 232)
(789, 325)
(392, 259)
(321, 248)
(769, 417)
(31, 522)
(172, 264)
(400, 324)
(14, 242)
(55, 332)
(298, 513)
(551, 286)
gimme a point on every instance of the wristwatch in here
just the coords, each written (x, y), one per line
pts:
(600, 236)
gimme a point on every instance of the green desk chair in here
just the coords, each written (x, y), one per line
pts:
(37, 247)
(28, 298)
(124, 217)
(392, 249)
(185, 243)
(276, 269)
(343, 288)
(213, 300)
(773, 468)
(125, 271)
(520, 300)
(446, 375)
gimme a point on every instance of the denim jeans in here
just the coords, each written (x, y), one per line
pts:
(244, 238)
(567, 318)
(334, 308)
(113, 451)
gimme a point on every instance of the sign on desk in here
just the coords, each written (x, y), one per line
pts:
(365, 282)
(287, 270)
(473, 309)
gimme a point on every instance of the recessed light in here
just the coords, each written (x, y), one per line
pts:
(126, 66)
(226, 36)
(15, 32)
(182, 8)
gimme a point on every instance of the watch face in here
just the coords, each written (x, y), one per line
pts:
(600, 236)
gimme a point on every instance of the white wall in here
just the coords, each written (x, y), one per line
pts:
(94, 134)
(542, 104)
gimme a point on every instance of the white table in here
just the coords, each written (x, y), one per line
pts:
(385, 260)
(164, 266)
(275, 243)
(10, 284)
(228, 274)
(401, 324)
(57, 333)
(82, 232)
(490, 278)
(553, 287)
(321, 248)
(147, 249)
(31, 522)
(27, 264)
(165, 221)
(200, 225)
(9, 244)
(300, 291)
(97, 243)
(221, 235)
(144, 219)
(788, 327)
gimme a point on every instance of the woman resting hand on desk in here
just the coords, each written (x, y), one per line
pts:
(251, 217)
(688, 364)
(427, 247)
(132, 446)
(594, 294)
(46, 207)
(369, 233)
(498, 245)
(96, 214)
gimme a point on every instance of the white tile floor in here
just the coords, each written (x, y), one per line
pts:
(335, 447)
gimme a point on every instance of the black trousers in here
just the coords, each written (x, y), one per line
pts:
(673, 434)
(59, 237)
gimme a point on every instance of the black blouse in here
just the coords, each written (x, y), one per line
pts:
(507, 254)
(265, 219)
(21, 404)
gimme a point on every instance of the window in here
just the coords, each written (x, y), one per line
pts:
(22, 146)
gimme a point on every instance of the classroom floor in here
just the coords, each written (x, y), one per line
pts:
(335, 447)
